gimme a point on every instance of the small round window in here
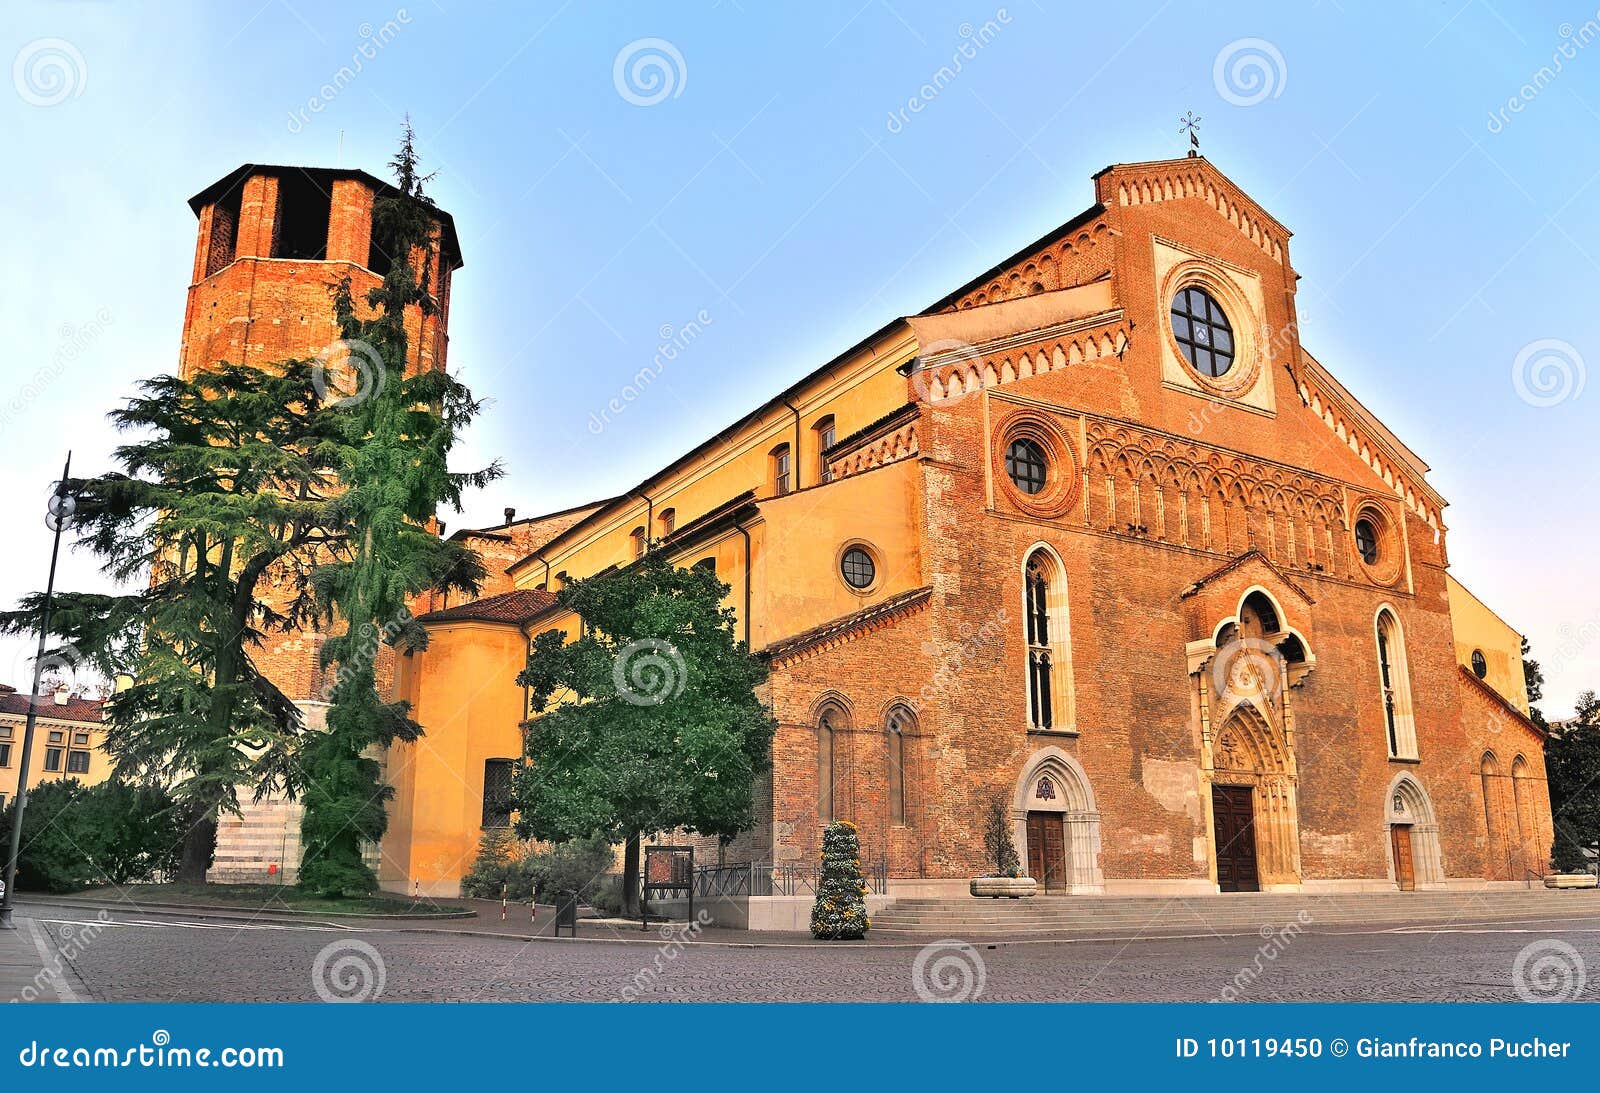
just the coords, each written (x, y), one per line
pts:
(858, 569)
(1026, 465)
(1203, 332)
(1367, 541)
(1480, 666)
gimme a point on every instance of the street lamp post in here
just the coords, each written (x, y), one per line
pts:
(61, 506)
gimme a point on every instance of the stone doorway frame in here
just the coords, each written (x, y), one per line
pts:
(1427, 862)
(1074, 800)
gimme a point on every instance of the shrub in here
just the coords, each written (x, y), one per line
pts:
(498, 868)
(75, 835)
(506, 864)
(607, 896)
(579, 865)
(840, 913)
(998, 844)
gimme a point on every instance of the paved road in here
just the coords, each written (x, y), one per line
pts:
(148, 957)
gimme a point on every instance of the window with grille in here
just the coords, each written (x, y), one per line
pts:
(497, 799)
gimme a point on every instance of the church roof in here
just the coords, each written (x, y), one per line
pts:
(515, 607)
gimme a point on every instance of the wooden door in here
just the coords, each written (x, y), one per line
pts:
(1405, 873)
(1234, 826)
(1047, 850)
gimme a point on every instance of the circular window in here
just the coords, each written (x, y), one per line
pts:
(1026, 465)
(1203, 331)
(858, 569)
(1480, 666)
(1367, 541)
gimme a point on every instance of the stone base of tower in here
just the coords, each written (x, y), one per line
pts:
(261, 845)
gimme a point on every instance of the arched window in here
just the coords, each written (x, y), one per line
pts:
(782, 470)
(1049, 653)
(668, 521)
(899, 725)
(826, 436)
(828, 724)
(1395, 683)
(636, 536)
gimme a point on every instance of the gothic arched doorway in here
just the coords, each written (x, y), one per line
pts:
(1056, 825)
(1414, 858)
(1254, 815)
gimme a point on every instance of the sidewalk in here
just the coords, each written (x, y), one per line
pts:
(24, 973)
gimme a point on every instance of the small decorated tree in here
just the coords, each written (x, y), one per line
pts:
(998, 845)
(840, 913)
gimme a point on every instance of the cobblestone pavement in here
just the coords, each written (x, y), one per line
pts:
(128, 958)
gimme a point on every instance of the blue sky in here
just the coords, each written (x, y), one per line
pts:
(1439, 233)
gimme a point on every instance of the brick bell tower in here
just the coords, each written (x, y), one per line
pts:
(272, 241)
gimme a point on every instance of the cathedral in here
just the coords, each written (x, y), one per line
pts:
(1094, 536)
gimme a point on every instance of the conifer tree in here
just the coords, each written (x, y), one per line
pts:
(225, 483)
(393, 436)
(840, 911)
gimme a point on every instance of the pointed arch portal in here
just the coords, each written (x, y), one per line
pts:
(1415, 862)
(1056, 825)
(1255, 815)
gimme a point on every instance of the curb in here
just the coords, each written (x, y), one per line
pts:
(213, 910)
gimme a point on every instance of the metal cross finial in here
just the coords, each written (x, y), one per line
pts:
(1190, 124)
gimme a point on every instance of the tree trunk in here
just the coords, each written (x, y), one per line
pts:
(630, 876)
(199, 846)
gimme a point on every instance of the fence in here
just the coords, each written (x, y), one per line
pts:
(776, 879)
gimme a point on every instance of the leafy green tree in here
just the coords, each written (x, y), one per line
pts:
(1533, 676)
(1572, 765)
(649, 722)
(225, 487)
(840, 911)
(391, 441)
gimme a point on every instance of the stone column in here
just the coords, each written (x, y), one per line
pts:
(1083, 852)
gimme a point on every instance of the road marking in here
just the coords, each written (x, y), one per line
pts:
(58, 978)
(152, 924)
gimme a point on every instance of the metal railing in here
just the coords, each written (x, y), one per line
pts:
(776, 879)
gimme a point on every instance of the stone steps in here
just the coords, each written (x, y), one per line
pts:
(1244, 911)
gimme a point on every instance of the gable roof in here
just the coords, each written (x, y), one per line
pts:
(511, 608)
(76, 709)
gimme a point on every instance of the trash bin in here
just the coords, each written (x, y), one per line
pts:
(567, 912)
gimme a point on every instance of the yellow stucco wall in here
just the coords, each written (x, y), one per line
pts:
(464, 693)
(856, 393)
(1478, 628)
